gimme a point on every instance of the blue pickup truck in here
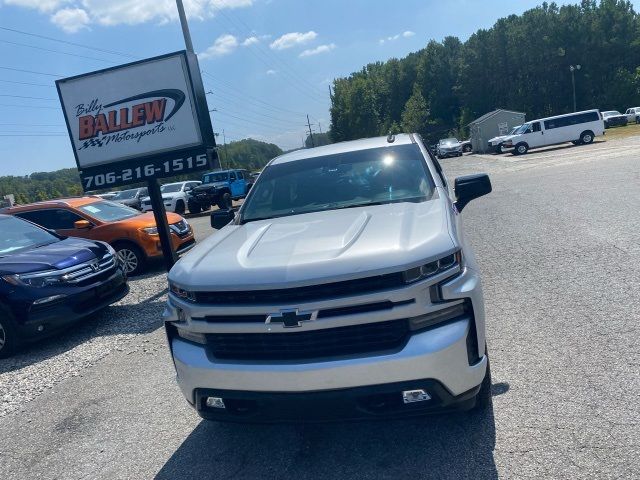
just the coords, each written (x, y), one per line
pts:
(219, 188)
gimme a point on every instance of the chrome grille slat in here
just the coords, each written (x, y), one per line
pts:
(83, 272)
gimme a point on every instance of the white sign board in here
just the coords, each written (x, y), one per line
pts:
(136, 111)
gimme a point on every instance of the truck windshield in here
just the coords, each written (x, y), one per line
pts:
(171, 187)
(348, 180)
(215, 177)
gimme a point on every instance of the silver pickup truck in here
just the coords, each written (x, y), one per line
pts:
(342, 288)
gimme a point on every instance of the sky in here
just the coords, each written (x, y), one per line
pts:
(268, 63)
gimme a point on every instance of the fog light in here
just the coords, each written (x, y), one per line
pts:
(215, 402)
(52, 298)
(413, 396)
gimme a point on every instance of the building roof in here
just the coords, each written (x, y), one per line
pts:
(492, 113)
(343, 147)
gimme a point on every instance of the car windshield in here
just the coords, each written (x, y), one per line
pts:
(108, 211)
(513, 130)
(215, 177)
(354, 179)
(126, 194)
(610, 113)
(449, 141)
(17, 234)
(171, 187)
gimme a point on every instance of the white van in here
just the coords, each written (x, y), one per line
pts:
(578, 127)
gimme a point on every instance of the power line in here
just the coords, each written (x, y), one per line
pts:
(112, 52)
(27, 106)
(31, 71)
(57, 51)
(24, 96)
(28, 83)
(268, 53)
(32, 124)
(34, 135)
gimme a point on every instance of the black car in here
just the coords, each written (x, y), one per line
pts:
(613, 118)
(48, 281)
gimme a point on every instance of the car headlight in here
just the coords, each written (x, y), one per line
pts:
(39, 279)
(430, 269)
(182, 293)
(151, 230)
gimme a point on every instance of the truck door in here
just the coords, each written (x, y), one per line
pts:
(234, 184)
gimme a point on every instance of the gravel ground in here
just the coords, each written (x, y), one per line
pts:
(119, 328)
(558, 242)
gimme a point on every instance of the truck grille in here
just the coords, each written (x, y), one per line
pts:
(304, 294)
(370, 337)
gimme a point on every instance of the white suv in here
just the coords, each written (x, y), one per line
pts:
(174, 196)
(343, 287)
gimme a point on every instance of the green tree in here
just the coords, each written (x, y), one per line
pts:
(415, 114)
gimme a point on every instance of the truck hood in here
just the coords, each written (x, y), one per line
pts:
(58, 255)
(318, 247)
(208, 186)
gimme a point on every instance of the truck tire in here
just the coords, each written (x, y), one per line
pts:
(8, 335)
(180, 208)
(484, 398)
(225, 202)
(131, 256)
(194, 207)
(521, 148)
(586, 137)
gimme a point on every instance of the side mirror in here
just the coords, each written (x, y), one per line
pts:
(469, 187)
(220, 218)
(82, 224)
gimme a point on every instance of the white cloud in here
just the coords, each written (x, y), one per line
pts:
(292, 39)
(42, 5)
(271, 72)
(393, 38)
(318, 49)
(71, 20)
(223, 45)
(133, 12)
(250, 41)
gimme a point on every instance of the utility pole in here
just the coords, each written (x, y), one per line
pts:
(185, 26)
(224, 144)
(320, 127)
(573, 68)
(310, 132)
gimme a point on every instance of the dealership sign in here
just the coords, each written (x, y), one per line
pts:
(138, 121)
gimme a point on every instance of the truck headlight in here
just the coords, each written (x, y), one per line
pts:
(433, 268)
(182, 293)
(39, 279)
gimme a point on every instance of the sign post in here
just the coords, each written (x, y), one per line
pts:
(137, 123)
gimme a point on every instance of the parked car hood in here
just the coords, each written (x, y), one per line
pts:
(147, 219)
(318, 247)
(63, 254)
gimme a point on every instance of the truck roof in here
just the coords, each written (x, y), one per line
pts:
(343, 147)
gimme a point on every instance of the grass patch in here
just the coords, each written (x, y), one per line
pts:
(630, 130)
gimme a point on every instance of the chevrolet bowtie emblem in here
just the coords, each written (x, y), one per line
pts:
(291, 318)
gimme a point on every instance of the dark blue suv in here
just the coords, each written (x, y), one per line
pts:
(48, 281)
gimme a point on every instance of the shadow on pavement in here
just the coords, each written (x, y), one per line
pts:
(455, 446)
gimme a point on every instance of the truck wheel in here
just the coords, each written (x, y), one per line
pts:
(521, 149)
(206, 207)
(195, 208)
(466, 148)
(180, 208)
(131, 257)
(586, 137)
(225, 202)
(8, 334)
(483, 398)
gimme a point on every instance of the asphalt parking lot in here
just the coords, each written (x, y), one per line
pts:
(558, 241)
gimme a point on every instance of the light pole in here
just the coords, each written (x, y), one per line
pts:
(573, 68)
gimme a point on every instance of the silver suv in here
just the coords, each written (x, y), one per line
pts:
(343, 287)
